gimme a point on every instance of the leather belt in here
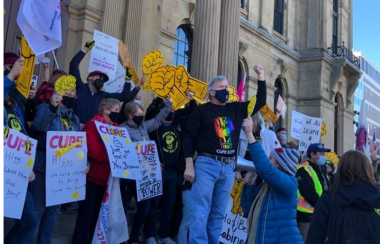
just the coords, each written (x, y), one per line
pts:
(225, 160)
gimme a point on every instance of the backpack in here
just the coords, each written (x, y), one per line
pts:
(354, 223)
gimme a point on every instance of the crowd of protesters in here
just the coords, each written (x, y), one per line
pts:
(287, 198)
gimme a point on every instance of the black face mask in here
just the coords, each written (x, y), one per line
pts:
(114, 116)
(222, 95)
(138, 119)
(170, 116)
(69, 102)
(98, 84)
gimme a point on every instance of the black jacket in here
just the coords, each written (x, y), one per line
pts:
(179, 127)
(326, 205)
(307, 188)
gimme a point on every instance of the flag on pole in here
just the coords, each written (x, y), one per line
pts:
(362, 131)
(112, 225)
(374, 141)
(241, 89)
(40, 22)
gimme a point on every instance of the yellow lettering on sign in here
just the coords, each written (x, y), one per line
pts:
(25, 79)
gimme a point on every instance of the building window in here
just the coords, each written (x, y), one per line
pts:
(335, 25)
(242, 4)
(183, 47)
(278, 24)
(278, 92)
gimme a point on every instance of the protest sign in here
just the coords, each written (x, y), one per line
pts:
(152, 61)
(66, 160)
(251, 106)
(281, 107)
(323, 129)
(296, 128)
(268, 113)
(199, 88)
(121, 151)
(116, 84)
(64, 84)
(150, 184)
(111, 226)
(19, 155)
(24, 81)
(311, 132)
(40, 22)
(233, 97)
(126, 59)
(104, 54)
(234, 230)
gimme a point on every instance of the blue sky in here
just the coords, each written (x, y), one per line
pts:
(367, 29)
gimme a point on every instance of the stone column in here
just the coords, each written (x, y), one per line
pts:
(112, 18)
(204, 63)
(132, 28)
(229, 40)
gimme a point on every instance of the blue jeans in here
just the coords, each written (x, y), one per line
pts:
(23, 230)
(209, 198)
(248, 195)
(46, 215)
(169, 181)
(185, 224)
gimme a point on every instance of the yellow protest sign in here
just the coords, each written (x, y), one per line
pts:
(65, 83)
(163, 83)
(124, 54)
(152, 61)
(323, 129)
(199, 88)
(198, 100)
(236, 195)
(267, 112)
(333, 157)
(251, 106)
(24, 81)
(233, 97)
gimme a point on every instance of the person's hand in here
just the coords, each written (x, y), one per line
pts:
(85, 171)
(32, 176)
(128, 74)
(259, 69)
(328, 169)
(248, 125)
(250, 178)
(46, 65)
(89, 44)
(373, 156)
(16, 70)
(189, 174)
(32, 92)
(238, 176)
(190, 95)
(142, 81)
(56, 99)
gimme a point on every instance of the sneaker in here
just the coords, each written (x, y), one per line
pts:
(151, 240)
(166, 240)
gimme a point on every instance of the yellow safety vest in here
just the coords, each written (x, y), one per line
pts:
(302, 204)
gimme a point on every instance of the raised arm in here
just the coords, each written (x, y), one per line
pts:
(10, 79)
(77, 59)
(261, 95)
(155, 123)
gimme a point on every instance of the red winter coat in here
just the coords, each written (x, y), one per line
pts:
(97, 154)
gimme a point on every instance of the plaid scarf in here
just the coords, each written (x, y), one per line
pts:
(44, 92)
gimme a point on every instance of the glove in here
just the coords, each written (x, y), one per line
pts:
(128, 74)
(89, 44)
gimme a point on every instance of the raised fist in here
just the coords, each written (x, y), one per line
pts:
(259, 70)
(162, 81)
(89, 44)
(128, 74)
(151, 62)
(181, 78)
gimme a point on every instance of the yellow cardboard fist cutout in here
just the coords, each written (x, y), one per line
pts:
(152, 61)
(236, 195)
(126, 60)
(333, 157)
(65, 83)
(268, 113)
(323, 129)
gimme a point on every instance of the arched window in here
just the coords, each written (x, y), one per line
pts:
(183, 47)
(278, 92)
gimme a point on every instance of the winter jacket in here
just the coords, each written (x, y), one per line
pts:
(277, 219)
(87, 103)
(141, 133)
(8, 86)
(47, 118)
(307, 188)
(344, 195)
(97, 153)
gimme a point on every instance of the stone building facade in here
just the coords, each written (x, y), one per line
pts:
(303, 44)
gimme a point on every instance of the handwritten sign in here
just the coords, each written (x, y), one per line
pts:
(296, 129)
(281, 107)
(105, 54)
(234, 229)
(66, 160)
(268, 113)
(19, 155)
(150, 184)
(24, 81)
(121, 151)
(116, 84)
(311, 132)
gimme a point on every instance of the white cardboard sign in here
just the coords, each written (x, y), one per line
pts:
(19, 155)
(296, 129)
(116, 84)
(66, 160)
(104, 54)
(311, 132)
(121, 151)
